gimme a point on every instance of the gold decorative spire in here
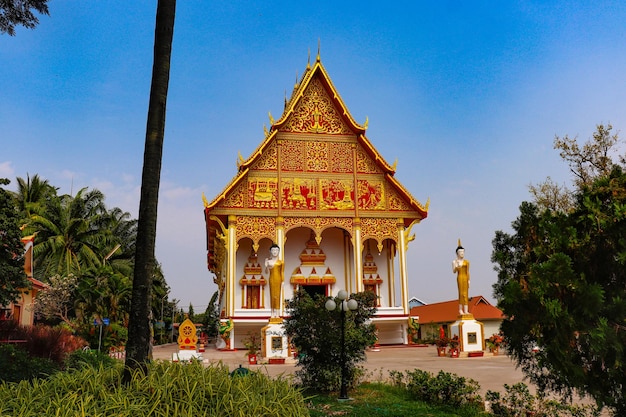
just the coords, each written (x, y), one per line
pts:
(367, 122)
(308, 61)
(395, 164)
(269, 113)
(240, 159)
(319, 43)
(205, 201)
(265, 131)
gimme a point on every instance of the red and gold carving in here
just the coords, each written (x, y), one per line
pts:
(292, 155)
(371, 194)
(317, 156)
(341, 159)
(236, 198)
(379, 229)
(316, 113)
(262, 192)
(365, 164)
(337, 194)
(267, 161)
(318, 224)
(298, 194)
(396, 203)
(255, 227)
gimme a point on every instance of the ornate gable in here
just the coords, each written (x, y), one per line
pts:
(316, 112)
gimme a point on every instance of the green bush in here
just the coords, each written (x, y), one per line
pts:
(17, 365)
(518, 401)
(441, 389)
(168, 389)
(315, 332)
(92, 358)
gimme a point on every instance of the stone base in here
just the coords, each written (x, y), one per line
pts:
(471, 334)
(274, 342)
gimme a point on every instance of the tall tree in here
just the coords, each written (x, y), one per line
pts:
(139, 338)
(70, 236)
(12, 275)
(595, 158)
(18, 12)
(33, 194)
(561, 281)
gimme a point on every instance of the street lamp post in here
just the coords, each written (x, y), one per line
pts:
(344, 305)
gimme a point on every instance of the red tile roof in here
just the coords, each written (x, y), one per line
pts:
(448, 311)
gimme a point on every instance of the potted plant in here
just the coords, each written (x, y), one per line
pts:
(454, 347)
(442, 344)
(494, 342)
(253, 345)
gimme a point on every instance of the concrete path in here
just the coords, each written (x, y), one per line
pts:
(491, 372)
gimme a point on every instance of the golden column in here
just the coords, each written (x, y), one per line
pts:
(404, 280)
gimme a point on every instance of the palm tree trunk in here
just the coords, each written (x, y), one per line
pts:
(139, 337)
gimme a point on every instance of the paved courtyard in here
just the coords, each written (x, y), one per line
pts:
(491, 372)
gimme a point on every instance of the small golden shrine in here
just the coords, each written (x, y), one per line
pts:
(316, 187)
(187, 337)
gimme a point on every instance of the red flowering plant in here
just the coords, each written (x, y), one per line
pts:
(495, 341)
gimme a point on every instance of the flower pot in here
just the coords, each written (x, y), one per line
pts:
(441, 351)
(494, 350)
(454, 353)
(252, 359)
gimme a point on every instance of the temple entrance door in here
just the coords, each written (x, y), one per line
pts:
(253, 296)
(312, 290)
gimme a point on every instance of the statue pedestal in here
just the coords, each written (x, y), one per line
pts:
(471, 333)
(274, 345)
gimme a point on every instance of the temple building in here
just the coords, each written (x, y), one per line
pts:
(318, 188)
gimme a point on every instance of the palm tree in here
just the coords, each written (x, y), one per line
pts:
(69, 233)
(33, 194)
(139, 338)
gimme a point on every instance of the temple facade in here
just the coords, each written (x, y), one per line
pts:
(317, 188)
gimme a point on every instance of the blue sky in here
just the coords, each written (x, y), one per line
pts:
(468, 96)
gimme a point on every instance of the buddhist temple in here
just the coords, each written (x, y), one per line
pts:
(317, 187)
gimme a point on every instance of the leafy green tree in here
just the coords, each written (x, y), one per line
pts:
(593, 159)
(70, 236)
(33, 195)
(211, 317)
(12, 275)
(18, 12)
(139, 337)
(561, 286)
(56, 302)
(315, 332)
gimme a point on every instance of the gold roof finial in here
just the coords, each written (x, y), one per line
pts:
(265, 130)
(269, 113)
(285, 99)
(240, 159)
(296, 85)
(367, 122)
(204, 200)
(319, 43)
(308, 61)
(395, 164)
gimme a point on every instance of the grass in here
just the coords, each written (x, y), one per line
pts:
(379, 399)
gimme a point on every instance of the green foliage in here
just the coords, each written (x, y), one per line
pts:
(315, 332)
(82, 358)
(12, 275)
(212, 317)
(17, 365)
(168, 389)
(383, 400)
(441, 389)
(14, 13)
(518, 401)
(561, 285)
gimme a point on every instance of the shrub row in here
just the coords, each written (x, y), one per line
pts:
(169, 389)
